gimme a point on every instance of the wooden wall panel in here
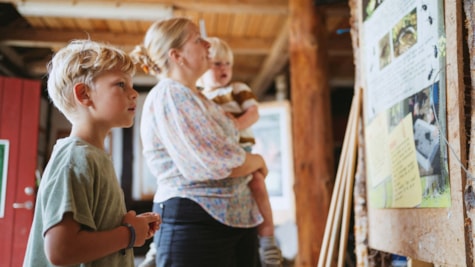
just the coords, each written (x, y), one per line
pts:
(10, 130)
(19, 117)
(27, 163)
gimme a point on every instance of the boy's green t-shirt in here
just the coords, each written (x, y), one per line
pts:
(79, 178)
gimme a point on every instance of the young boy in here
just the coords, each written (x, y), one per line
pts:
(240, 103)
(80, 217)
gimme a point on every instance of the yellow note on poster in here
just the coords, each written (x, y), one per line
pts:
(407, 190)
(376, 143)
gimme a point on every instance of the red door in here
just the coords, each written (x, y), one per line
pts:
(19, 124)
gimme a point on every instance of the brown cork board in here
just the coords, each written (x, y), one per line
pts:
(435, 235)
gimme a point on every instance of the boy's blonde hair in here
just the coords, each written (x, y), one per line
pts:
(81, 62)
(220, 50)
(161, 36)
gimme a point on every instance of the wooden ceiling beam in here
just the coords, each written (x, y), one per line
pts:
(126, 41)
(234, 7)
(214, 6)
(98, 10)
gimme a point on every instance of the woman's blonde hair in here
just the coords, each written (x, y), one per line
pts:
(81, 61)
(161, 36)
(220, 50)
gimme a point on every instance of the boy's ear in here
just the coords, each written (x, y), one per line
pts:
(81, 94)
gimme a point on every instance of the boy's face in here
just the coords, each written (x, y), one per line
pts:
(114, 99)
(219, 75)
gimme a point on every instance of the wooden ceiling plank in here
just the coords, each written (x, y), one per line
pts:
(271, 25)
(144, 25)
(35, 22)
(223, 25)
(131, 26)
(237, 7)
(252, 30)
(239, 24)
(115, 26)
(210, 23)
(52, 23)
(68, 23)
(192, 15)
(99, 25)
(47, 38)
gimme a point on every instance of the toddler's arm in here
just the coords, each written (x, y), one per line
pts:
(252, 163)
(248, 118)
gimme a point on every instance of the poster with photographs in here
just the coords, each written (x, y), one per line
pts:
(404, 103)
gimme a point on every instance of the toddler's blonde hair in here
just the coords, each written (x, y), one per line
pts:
(81, 61)
(220, 50)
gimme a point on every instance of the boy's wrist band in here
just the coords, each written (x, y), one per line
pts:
(132, 236)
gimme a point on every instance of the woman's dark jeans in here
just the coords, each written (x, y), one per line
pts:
(190, 237)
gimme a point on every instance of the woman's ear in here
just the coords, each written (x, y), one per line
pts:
(81, 94)
(175, 56)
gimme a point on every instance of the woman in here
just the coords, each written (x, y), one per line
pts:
(209, 217)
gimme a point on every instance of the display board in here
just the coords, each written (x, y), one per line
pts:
(409, 65)
(404, 66)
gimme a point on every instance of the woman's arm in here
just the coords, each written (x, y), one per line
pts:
(252, 163)
(67, 244)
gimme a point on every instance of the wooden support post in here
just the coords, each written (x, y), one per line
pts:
(312, 131)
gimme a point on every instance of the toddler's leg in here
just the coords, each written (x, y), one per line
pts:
(271, 255)
(259, 192)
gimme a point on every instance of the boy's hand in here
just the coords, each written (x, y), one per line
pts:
(154, 225)
(144, 224)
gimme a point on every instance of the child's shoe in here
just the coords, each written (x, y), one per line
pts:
(271, 257)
